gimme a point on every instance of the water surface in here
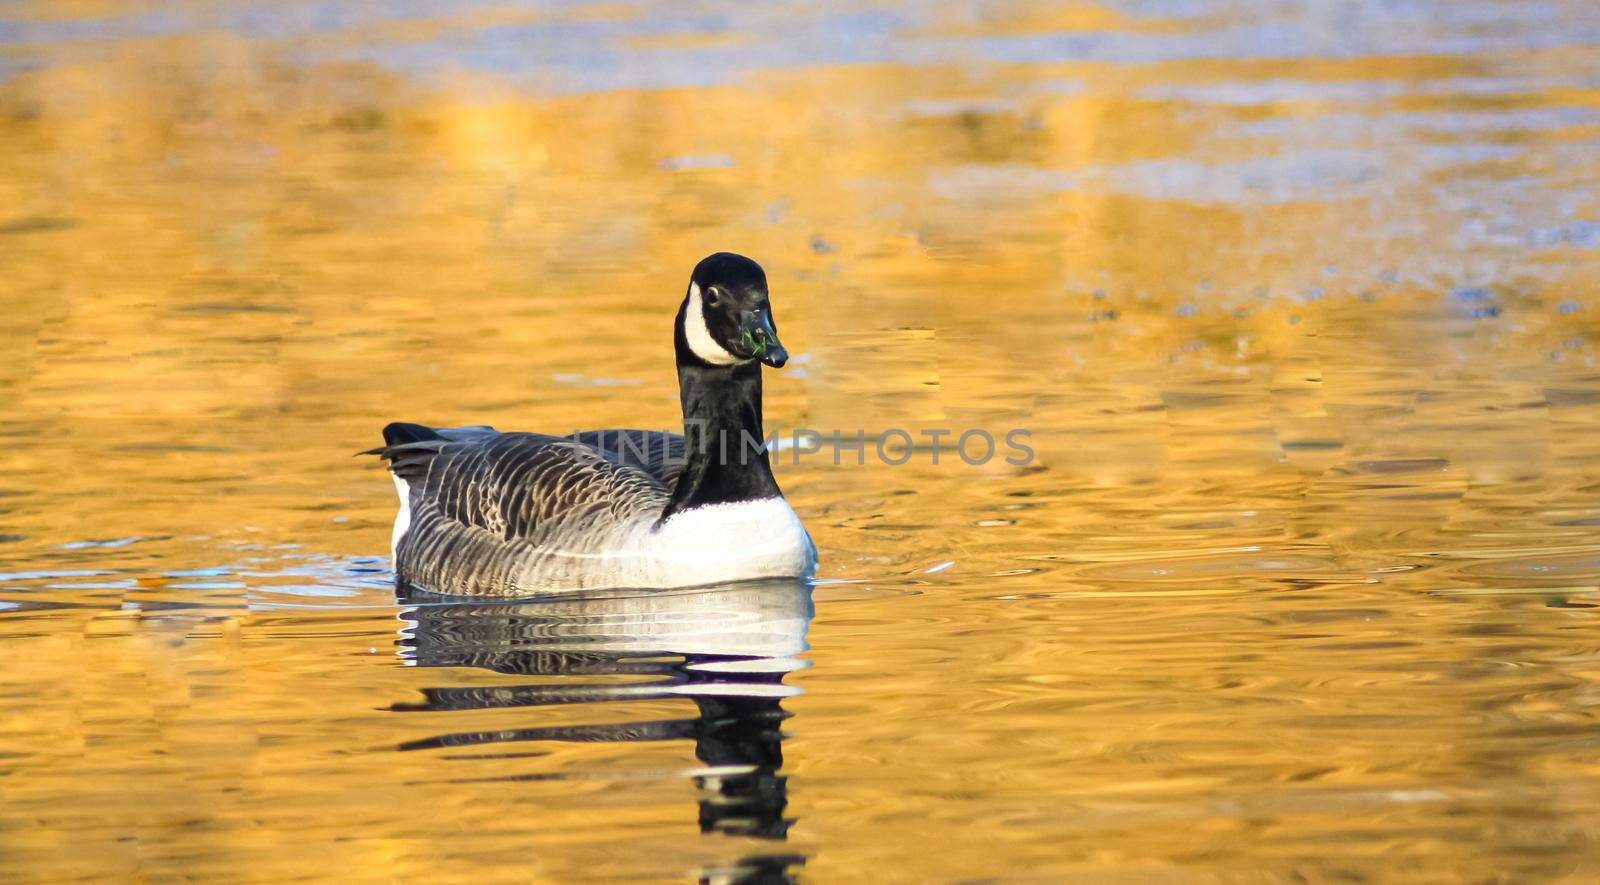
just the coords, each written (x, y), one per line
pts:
(1297, 300)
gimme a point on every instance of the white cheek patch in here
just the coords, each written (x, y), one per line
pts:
(698, 335)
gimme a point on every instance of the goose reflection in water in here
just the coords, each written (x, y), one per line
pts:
(726, 648)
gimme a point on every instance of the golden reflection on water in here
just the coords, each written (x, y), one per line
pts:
(1303, 579)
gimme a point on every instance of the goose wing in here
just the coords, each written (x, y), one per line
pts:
(484, 504)
(521, 485)
(662, 455)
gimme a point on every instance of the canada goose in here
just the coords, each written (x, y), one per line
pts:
(485, 513)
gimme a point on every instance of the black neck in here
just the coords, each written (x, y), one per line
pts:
(725, 449)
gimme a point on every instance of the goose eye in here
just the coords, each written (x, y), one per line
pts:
(712, 296)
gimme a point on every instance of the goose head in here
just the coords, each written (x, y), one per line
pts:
(726, 319)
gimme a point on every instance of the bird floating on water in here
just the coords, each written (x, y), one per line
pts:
(485, 513)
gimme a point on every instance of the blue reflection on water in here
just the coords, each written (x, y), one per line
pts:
(582, 47)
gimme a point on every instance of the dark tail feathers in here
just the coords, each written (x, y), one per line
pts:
(409, 449)
(399, 433)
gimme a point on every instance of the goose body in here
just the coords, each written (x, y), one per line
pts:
(487, 513)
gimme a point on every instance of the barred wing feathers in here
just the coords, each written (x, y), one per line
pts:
(489, 507)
